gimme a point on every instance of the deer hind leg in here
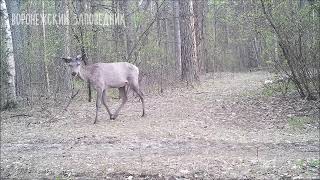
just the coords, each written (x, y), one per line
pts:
(123, 94)
(104, 101)
(99, 96)
(136, 89)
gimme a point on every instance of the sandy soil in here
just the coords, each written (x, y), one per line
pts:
(225, 128)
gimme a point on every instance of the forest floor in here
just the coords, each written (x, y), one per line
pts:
(227, 127)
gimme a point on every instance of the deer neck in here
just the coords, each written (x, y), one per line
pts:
(83, 73)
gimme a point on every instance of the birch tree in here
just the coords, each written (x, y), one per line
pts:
(14, 7)
(11, 71)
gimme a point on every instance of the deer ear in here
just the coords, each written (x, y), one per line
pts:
(66, 59)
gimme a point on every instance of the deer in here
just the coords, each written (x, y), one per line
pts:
(102, 76)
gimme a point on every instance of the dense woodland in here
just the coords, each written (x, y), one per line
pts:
(169, 40)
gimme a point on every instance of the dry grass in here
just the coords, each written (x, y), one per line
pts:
(225, 128)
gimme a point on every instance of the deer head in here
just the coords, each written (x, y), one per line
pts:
(74, 64)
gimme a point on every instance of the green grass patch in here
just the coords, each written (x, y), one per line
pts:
(313, 163)
(274, 89)
(299, 122)
(113, 93)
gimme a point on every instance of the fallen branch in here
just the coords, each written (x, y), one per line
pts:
(203, 92)
(19, 115)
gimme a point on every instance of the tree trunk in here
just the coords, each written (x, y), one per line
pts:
(67, 43)
(158, 17)
(13, 7)
(129, 28)
(177, 38)
(63, 79)
(45, 52)
(80, 39)
(28, 55)
(207, 61)
(66, 34)
(198, 9)
(256, 52)
(11, 71)
(317, 56)
(94, 35)
(188, 46)
(214, 62)
(164, 65)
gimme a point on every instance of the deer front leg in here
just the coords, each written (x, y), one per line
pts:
(104, 101)
(99, 95)
(123, 94)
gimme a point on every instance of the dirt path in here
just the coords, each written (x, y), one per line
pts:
(224, 128)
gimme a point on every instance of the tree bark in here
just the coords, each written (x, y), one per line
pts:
(177, 38)
(94, 35)
(206, 59)
(129, 27)
(188, 46)
(158, 17)
(66, 34)
(79, 10)
(198, 7)
(63, 79)
(11, 71)
(214, 62)
(13, 7)
(67, 42)
(46, 71)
